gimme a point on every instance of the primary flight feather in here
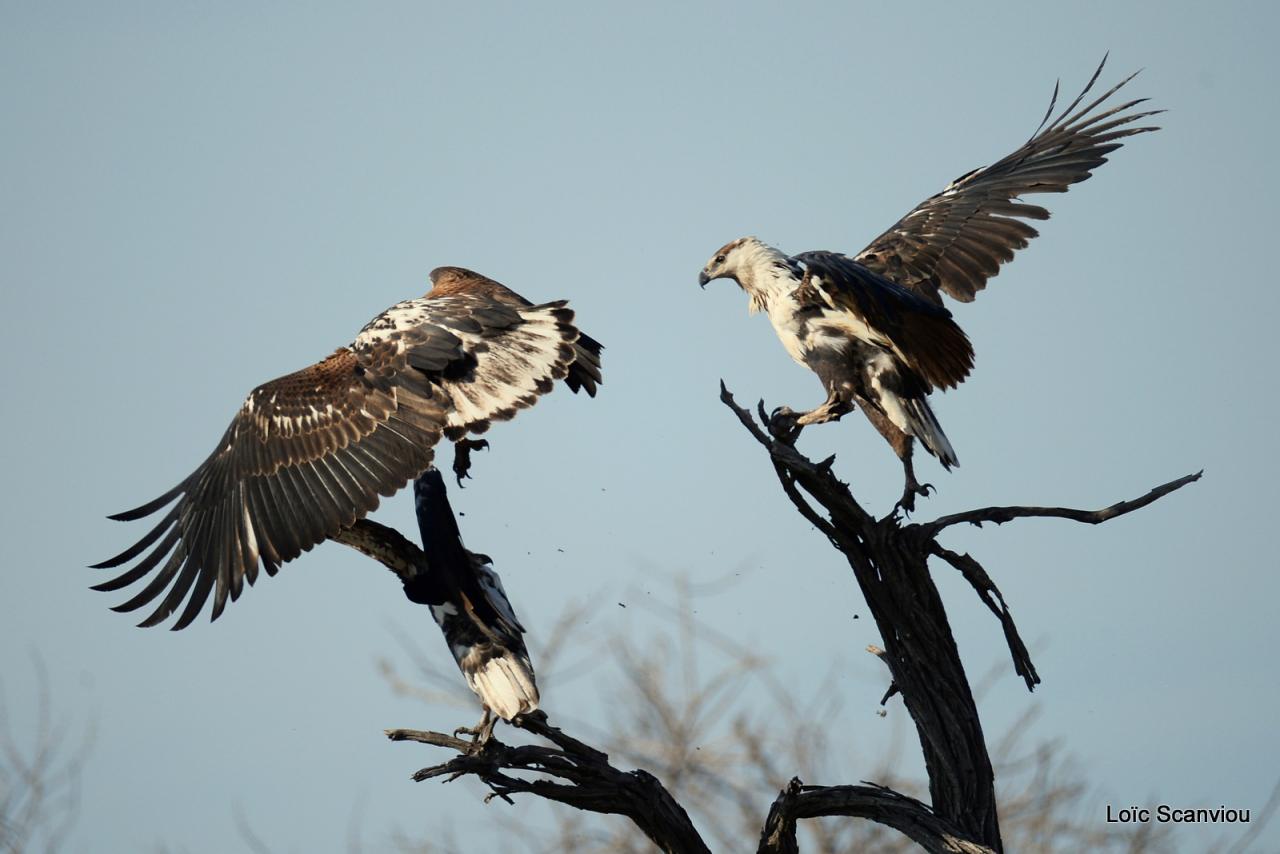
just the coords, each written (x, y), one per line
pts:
(310, 453)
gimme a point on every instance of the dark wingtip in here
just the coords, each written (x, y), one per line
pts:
(150, 507)
(158, 616)
(109, 586)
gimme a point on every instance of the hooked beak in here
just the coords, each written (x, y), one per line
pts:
(703, 278)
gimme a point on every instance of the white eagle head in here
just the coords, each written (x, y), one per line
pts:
(744, 260)
(754, 265)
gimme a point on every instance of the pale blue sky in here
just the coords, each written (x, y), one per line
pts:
(197, 198)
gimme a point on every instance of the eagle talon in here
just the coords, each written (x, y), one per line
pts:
(784, 424)
(462, 457)
(480, 733)
(907, 503)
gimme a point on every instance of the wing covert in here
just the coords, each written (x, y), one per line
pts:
(921, 332)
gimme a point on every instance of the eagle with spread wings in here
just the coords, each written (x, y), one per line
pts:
(310, 453)
(873, 327)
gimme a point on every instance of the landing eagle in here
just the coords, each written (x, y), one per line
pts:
(310, 453)
(873, 326)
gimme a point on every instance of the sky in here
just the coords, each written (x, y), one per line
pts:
(199, 198)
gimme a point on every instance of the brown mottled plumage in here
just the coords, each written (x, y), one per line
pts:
(584, 372)
(311, 452)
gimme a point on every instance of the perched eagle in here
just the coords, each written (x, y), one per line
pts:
(466, 598)
(310, 453)
(873, 327)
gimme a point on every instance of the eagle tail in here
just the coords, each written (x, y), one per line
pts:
(505, 683)
(584, 373)
(925, 427)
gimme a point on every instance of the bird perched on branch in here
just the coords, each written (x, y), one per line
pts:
(468, 602)
(873, 326)
(311, 452)
(466, 598)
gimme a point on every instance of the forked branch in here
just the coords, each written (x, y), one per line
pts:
(889, 559)
(1000, 515)
(570, 772)
(875, 803)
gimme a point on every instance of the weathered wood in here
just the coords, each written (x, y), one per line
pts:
(889, 560)
(875, 803)
(572, 773)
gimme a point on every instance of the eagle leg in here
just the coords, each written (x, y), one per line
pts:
(481, 732)
(832, 409)
(907, 503)
(462, 457)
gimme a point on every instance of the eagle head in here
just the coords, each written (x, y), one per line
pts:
(748, 261)
(731, 261)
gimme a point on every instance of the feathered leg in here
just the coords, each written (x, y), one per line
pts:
(902, 445)
(913, 487)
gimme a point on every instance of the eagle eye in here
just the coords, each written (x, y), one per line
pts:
(719, 259)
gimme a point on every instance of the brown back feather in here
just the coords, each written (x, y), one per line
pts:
(936, 347)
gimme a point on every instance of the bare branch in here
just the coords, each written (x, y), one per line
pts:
(40, 771)
(876, 803)
(385, 545)
(992, 598)
(890, 562)
(571, 773)
(1000, 515)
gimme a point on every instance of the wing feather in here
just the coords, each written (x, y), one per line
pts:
(921, 333)
(312, 452)
(158, 582)
(956, 240)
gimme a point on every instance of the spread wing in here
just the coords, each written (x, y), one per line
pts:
(956, 240)
(310, 453)
(919, 331)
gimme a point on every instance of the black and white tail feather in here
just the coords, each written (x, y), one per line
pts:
(925, 427)
(471, 607)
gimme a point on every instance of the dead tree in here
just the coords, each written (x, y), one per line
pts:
(890, 562)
